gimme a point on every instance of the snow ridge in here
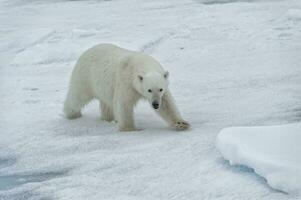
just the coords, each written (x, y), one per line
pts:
(273, 152)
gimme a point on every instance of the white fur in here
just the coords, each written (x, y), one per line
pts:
(118, 78)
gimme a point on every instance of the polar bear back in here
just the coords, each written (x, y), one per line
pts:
(100, 67)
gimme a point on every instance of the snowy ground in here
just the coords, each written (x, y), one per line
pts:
(230, 64)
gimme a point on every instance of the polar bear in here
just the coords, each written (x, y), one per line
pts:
(118, 78)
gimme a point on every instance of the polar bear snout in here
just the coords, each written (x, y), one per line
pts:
(155, 104)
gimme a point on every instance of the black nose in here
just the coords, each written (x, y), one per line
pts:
(155, 105)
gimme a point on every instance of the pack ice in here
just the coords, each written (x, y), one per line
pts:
(272, 151)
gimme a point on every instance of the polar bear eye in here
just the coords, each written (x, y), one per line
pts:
(161, 90)
(149, 90)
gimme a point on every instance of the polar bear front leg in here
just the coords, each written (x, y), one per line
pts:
(124, 113)
(169, 112)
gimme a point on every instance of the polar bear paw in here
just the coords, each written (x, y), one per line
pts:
(181, 125)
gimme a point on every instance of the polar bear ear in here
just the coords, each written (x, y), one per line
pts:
(140, 78)
(166, 74)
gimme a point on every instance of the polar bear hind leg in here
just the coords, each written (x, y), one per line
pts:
(75, 101)
(106, 112)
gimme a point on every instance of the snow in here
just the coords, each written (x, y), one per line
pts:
(231, 63)
(272, 151)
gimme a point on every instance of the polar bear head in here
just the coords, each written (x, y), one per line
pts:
(152, 87)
